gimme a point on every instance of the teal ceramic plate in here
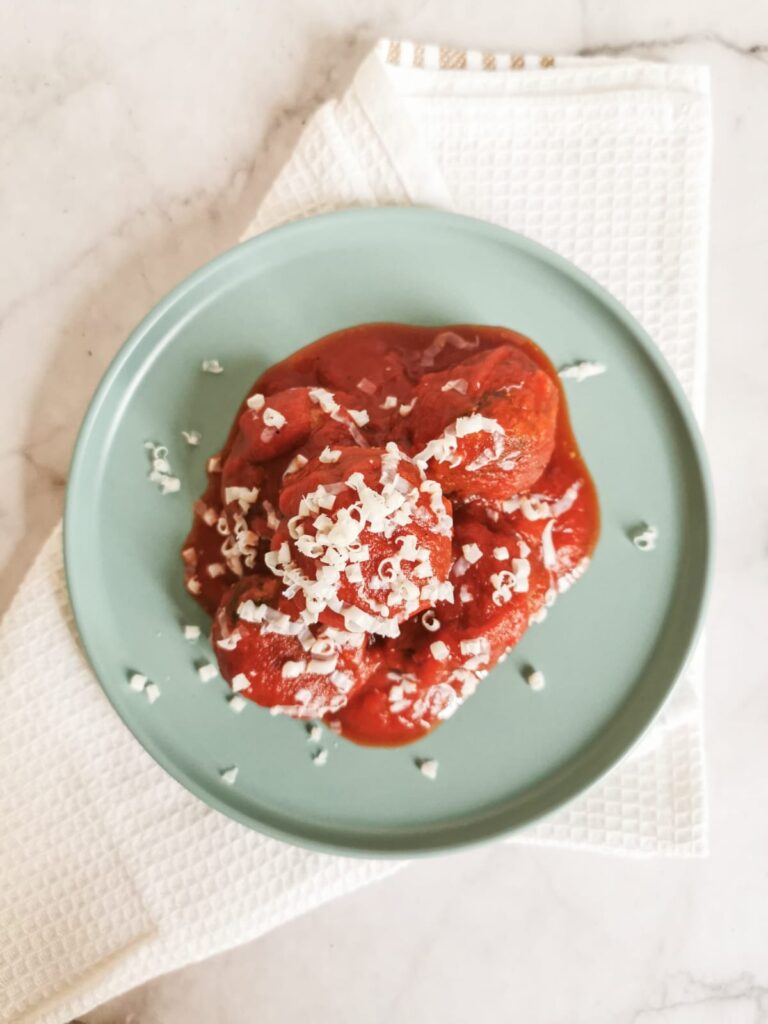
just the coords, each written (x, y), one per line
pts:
(611, 648)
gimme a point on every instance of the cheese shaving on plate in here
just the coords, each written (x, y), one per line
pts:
(160, 472)
(428, 767)
(207, 672)
(535, 679)
(645, 538)
(582, 371)
(152, 692)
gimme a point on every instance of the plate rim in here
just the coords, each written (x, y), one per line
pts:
(431, 217)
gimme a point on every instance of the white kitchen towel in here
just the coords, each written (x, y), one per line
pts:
(111, 873)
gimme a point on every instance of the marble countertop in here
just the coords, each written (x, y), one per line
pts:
(136, 141)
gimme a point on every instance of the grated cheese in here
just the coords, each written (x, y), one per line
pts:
(191, 632)
(534, 507)
(192, 437)
(328, 456)
(645, 538)
(207, 672)
(430, 621)
(273, 418)
(444, 447)
(137, 681)
(354, 573)
(152, 692)
(521, 567)
(474, 647)
(566, 581)
(273, 520)
(548, 552)
(296, 463)
(536, 680)
(581, 371)
(160, 472)
(439, 650)
(229, 643)
(256, 402)
(428, 767)
(335, 545)
(237, 703)
(342, 681)
(472, 553)
(247, 496)
(170, 485)
(565, 502)
(240, 682)
(444, 338)
(390, 402)
(359, 416)
(229, 775)
(212, 366)
(293, 669)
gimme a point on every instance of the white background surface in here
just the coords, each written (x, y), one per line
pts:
(135, 142)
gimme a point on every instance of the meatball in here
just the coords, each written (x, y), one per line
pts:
(395, 708)
(279, 662)
(365, 542)
(425, 674)
(485, 427)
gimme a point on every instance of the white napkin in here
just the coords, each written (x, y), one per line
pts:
(111, 873)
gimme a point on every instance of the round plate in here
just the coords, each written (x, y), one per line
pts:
(610, 649)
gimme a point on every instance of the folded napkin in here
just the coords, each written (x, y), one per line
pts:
(110, 872)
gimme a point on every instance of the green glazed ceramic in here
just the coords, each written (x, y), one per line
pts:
(611, 648)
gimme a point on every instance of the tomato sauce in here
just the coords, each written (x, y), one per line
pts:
(392, 509)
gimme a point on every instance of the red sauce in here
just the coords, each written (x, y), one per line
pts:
(375, 586)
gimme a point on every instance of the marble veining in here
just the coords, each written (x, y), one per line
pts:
(135, 143)
(759, 51)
